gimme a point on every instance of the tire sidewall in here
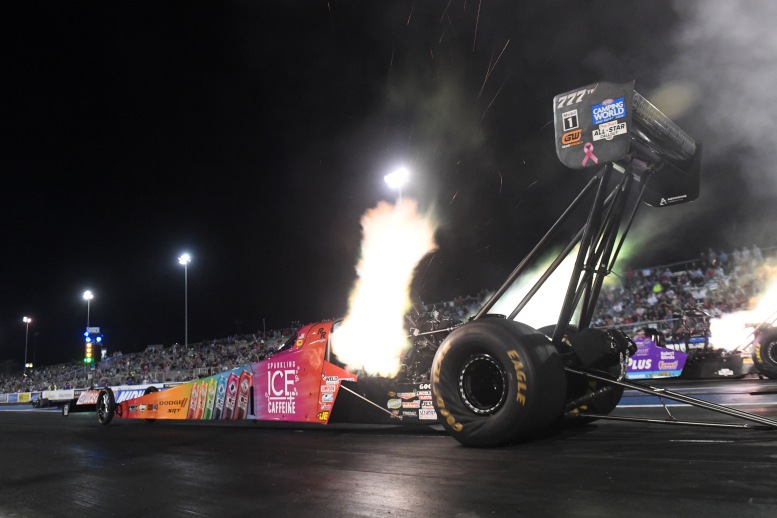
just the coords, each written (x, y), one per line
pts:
(106, 399)
(765, 354)
(534, 381)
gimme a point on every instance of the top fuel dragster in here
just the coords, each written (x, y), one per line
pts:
(493, 380)
(688, 352)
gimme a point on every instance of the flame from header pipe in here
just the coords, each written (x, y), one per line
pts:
(372, 336)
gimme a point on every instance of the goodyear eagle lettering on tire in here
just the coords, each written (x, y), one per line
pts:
(497, 382)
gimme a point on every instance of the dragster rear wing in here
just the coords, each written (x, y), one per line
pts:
(610, 127)
(611, 123)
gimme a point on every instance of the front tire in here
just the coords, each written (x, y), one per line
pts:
(497, 382)
(765, 354)
(106, 406)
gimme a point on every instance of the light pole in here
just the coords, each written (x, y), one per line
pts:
(184, 260)
(88, 296)
(397, 179)
(27, 321)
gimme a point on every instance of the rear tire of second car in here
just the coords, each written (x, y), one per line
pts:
(765, 354)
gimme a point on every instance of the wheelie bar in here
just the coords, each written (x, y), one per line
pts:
(668, 394)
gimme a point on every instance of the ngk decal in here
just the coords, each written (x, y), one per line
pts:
(328, 388)
(281, 387)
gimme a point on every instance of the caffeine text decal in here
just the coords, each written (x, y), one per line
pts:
(282, 377)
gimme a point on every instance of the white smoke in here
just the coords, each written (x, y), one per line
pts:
(724, 74)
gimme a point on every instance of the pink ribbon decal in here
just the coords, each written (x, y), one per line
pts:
(589, 153)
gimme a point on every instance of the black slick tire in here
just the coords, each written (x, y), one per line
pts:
(106, 405)
(765, 354)
(497, 382)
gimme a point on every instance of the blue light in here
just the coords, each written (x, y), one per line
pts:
(99, 338)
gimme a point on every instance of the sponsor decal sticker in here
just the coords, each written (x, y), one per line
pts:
(588, 148)
(407, 395)
(394, 403)
(282, 389)
(411, 404)
(570, 120)
(608, 110)
(323, 416)
(609, 130)
(572, 138)
(673, 199)
(328, 388)
(327, 398)
(427, 413)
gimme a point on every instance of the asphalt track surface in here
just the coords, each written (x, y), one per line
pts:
(52, 465)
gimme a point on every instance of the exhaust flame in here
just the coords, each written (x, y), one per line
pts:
(731, 330)
(372, 336)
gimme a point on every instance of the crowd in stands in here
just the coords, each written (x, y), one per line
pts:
(717, 282)
(156, 364)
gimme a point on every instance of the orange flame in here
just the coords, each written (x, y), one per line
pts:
(372, 336)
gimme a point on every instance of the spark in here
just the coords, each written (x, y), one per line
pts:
(412, 6)
(491, 69)
(331, 22)
(477, 22)
(454, 197)
(391, 61)
(545, 126)
(492, 100)
(445, 11)
(501, 180)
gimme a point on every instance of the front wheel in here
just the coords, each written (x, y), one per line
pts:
(106, 406)
(765, 354)
(497, 382)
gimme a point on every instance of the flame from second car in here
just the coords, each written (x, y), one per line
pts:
(372, 336)
(730, 330)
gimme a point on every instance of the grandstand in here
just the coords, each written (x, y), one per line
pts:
(718, 283)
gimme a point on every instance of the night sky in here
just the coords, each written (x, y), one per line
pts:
(254, 135)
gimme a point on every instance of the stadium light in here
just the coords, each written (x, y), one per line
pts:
(184, 261)
(397, 179)
(88, 296)
(26, 321)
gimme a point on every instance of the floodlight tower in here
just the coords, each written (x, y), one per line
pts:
(88, 296)
(184, 261)
(26, 321)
